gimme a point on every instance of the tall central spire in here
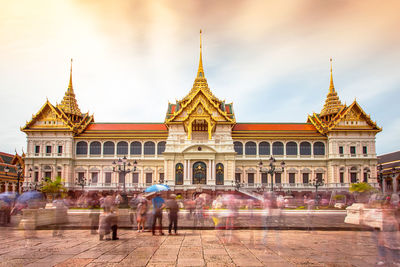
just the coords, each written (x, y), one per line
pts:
(69, 104)
(332, 102)
(200, 71)
(331, 86)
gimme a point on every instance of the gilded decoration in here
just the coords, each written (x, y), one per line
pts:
(65, 115)
(200, 104)
(334, 112)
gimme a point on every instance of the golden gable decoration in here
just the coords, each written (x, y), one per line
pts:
(200, 110)
(65, 116)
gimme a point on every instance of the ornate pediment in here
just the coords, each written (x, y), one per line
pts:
(353, 117)
(200, 110)
(65, 116)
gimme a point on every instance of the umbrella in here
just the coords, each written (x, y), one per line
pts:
(8, 196)
(30, 195)
(157, 188)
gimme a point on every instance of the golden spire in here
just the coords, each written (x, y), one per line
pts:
(70, 88)
(331, 86)
(69, 104)
(332, 102)
(200, 71)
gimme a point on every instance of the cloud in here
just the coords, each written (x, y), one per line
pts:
(270, 58)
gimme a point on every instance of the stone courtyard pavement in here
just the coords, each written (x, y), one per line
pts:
(189, 248)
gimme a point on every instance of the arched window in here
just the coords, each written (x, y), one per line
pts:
(250, 148)
(291, 148)
(264, 148)
(353, 175)
(305, 148)
(179, 174)
(277, 148)
(108, 148)
(319, 148)
(95, 148)
(122, 148)
(366, 174)
(238, 146)
(199, 173)
(81, 148)
(149, 148)
(220, 174)
(160, 147)
(136, 148)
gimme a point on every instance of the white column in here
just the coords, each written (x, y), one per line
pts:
(394, 184)
(190, 171)
(185, 169)
(14, 187)
(6, 187)
(209, 170)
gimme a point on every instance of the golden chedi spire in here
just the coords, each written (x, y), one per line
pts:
(200, 83)
(69, 104)
(332, 103)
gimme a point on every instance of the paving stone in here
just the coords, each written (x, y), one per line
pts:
(190, 248)
(109, 258)
(73, 262)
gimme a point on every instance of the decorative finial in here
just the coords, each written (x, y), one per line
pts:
(331, 86)
(70, 77)
(200, 71)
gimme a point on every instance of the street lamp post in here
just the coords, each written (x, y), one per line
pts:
(19, 173)
(271, 170)
(122, 166)
(82, 181)
(317, 183)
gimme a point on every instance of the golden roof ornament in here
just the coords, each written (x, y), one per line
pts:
(332, 103)
(69, 104)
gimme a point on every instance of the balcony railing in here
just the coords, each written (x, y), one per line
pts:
(227, 186)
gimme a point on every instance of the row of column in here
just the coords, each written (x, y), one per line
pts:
(13, 185)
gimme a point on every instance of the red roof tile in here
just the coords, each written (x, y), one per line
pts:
(126, 127)
(274, 127)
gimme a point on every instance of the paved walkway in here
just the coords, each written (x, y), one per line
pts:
(190, 248)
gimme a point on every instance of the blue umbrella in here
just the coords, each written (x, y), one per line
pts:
(157, 188)
(30, 195)
(8, 196)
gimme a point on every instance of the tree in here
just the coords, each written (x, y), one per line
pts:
(361, 191)
(53, 187)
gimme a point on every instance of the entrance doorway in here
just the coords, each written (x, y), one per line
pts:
(199, 173)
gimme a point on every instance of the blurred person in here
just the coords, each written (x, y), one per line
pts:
(280, 203)
(232, 207)
(105, 224)
(310, 204)
(173, 209)
(133, 203)
(198, 212)
(5, 212)
(60, 213)
(388, 239)
(113, 218)
(109, 202)
(141, 216)
(268, 205)
(94, 213)
(158, 205)
(190, 206)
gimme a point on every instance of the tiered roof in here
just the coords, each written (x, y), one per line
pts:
(200, 88)
(335, 116)
(62, 117)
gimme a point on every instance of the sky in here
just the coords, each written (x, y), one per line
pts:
(130, 58)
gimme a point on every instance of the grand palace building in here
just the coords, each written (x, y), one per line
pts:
(200, 146)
